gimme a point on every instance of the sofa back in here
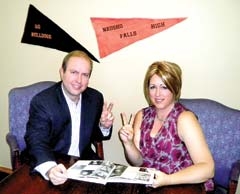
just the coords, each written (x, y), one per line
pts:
(221, 126)
(19, 103)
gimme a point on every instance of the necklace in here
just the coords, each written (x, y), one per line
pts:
(161, 120)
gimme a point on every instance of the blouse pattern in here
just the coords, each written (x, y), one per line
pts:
(166, 151)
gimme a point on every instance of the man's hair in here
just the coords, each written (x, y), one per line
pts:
(76, 53)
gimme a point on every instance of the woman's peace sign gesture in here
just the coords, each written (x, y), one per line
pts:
(126, 132)
(129, 138)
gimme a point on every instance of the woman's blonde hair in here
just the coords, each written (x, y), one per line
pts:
(171, 75)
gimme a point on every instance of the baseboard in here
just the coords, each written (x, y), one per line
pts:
(6, 170)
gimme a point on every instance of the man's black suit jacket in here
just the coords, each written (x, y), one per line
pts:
(49, 126)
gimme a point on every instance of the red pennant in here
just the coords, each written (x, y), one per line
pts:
(114, 34)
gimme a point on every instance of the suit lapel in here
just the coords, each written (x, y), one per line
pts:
(62, 101)
(65, 112)
(85, 126)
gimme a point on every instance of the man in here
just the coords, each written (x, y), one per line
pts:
(66, 118)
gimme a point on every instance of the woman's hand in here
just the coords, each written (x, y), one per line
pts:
(126, 132)
(128, 135)
(160, 179)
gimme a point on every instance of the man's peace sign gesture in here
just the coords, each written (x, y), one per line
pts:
(107, 117)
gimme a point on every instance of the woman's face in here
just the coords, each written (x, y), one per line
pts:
(159, 94)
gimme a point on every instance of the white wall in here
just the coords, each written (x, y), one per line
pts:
(205, 46)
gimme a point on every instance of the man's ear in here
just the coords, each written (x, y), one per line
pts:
(61, 72)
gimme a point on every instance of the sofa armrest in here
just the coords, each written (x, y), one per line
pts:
(14, 150)
(235, 171)
(12, 142)
(234, 177)
(99, 149)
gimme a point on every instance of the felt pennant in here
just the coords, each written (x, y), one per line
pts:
(40, 30)
(114, 34)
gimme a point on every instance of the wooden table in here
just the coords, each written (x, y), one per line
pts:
(22, 182)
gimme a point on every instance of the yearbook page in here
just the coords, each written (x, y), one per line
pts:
(101, 171)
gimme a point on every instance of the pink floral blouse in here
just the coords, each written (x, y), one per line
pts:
(165, 152)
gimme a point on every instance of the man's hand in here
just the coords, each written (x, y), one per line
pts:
(107, 117)
(58, 174)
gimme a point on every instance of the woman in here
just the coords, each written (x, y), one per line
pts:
(166, 135)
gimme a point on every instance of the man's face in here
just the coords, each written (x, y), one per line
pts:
(76, 77)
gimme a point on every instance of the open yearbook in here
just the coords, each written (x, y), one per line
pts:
(101, 171)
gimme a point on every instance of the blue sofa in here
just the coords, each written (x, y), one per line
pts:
(221, 126)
